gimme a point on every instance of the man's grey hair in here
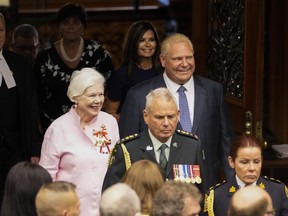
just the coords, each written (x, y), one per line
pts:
(120, 200)
(163, 94)
(170, 198)
(26, 31)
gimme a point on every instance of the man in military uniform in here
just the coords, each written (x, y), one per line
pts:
(178, 153)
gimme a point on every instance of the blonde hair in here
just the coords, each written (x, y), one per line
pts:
(53, 197)
(146, 179)
(174, 38)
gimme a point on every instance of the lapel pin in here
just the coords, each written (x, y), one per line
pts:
(149, 148)
(175, 145)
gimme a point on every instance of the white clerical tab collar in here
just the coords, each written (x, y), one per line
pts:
(6, 73)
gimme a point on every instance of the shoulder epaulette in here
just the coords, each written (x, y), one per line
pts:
(273, 179)
(185, 133)
(128, 138)
(217, 185)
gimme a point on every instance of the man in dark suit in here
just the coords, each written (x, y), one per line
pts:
(17, 102)
(207, 109)
(181, 158)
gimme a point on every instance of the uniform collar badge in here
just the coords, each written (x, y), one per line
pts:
(232, 189)
(261, 185)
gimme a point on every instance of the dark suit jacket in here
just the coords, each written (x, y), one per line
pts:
(22, 73)
(223, 193)
(211, 121)
(184, 149)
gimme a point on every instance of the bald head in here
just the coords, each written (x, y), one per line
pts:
(250, 201)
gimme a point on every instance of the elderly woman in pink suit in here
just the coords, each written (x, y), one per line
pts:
(76, 146)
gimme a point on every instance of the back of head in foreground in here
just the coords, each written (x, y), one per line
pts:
(57, 198)
(120, 200)
(251, 201)
(177, 198)
(145, 178)
(22, 184)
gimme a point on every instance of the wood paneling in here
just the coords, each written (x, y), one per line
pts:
(276, 69)
(50, 4)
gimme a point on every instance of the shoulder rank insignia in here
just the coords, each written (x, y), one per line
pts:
(273, 179)
(185, 133)
(232, 189)
(128, 138)
(217, 185)
(261, 185)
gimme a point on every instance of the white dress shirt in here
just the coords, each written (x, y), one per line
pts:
(190, 93)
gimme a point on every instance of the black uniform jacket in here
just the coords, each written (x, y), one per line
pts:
(218, 197)
(185, 148)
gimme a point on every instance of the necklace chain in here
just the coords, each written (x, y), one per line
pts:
(78, 54)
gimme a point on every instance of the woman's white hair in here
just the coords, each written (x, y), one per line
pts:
(83, 79)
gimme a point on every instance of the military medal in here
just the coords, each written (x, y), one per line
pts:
(193, 180)
(186, 173)
(102, 140)
(196, 172)
(181, 173)
(176, 172)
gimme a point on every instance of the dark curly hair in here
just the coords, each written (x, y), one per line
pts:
(69, 10)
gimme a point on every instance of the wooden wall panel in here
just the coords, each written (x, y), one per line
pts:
(48, 4)
(276, 69)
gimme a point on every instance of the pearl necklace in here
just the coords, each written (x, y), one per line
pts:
(78, 54)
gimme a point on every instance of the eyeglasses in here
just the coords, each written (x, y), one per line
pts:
(270, 213)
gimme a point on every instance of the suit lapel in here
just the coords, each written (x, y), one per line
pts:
(200, 97)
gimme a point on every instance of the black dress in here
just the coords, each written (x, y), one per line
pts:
(120, 83)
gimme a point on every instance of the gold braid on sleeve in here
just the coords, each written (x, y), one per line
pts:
(126, 156)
